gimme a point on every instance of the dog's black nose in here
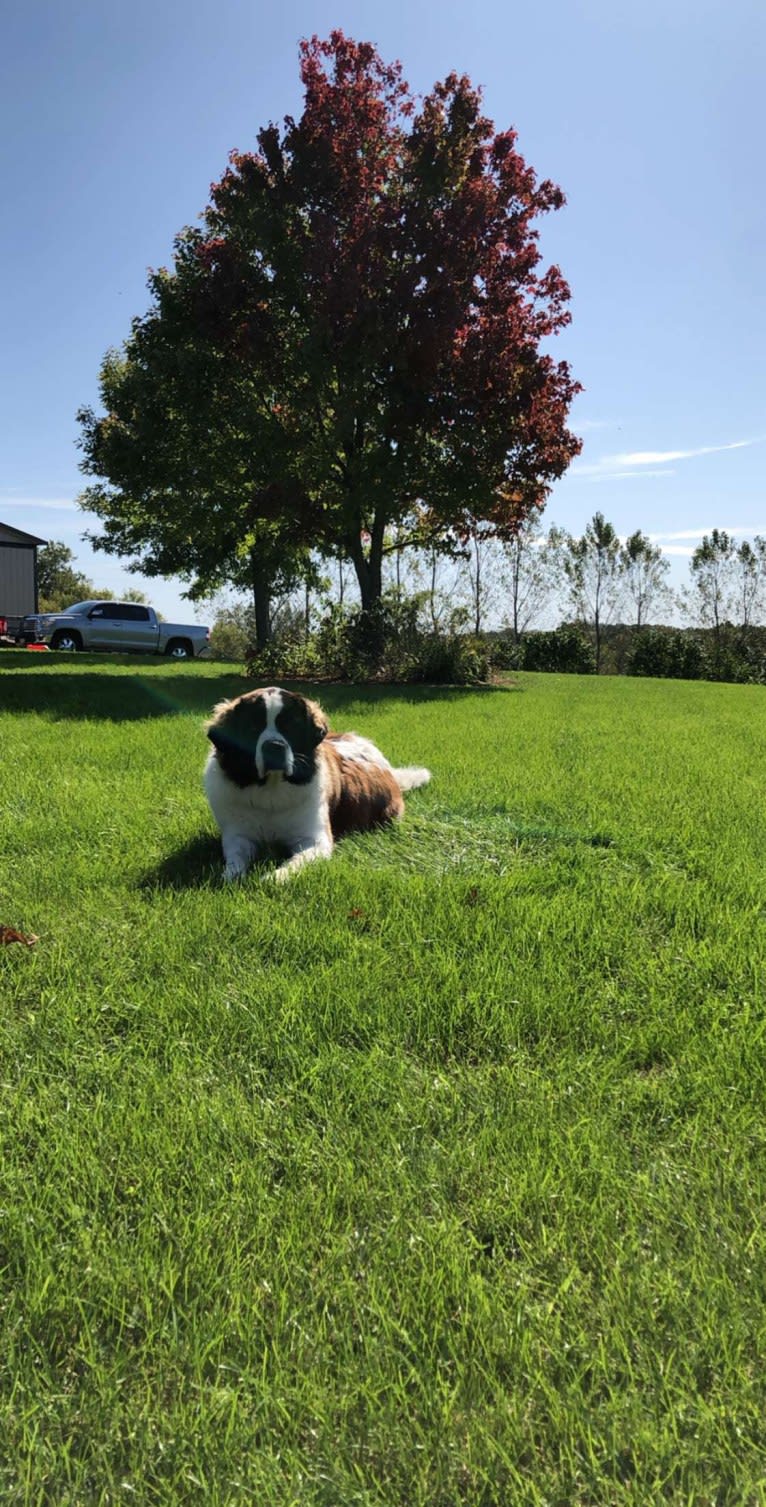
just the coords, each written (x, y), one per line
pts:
(274, 752)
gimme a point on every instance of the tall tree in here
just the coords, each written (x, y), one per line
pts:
(481, 573)
(644, 572)
(352, 338)
(533, 571)
(592, 572)
(749, 580)
(712, 569)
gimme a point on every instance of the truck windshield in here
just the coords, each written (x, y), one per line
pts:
(80, 607)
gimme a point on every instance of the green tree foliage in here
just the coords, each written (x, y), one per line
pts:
(566, 651)
(183, 472)
(668, 654)
(58, 583)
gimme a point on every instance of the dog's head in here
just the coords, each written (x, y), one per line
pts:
(267, 734)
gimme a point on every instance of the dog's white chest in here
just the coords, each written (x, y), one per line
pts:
(276, 812)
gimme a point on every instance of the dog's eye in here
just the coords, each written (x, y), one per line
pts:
(229, 746)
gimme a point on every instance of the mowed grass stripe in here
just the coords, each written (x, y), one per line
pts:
(436, 1177)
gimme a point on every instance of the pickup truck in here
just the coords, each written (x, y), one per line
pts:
(123, 627)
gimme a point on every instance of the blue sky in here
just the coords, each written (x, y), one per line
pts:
(116, 118)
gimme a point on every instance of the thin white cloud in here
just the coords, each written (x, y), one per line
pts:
(599, 475)
(631, 462)
(699, 533)
(36, 503)
(658, 457)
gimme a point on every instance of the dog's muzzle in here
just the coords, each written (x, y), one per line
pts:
(274, 752)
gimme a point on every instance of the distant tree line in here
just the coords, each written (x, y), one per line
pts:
(542, 600)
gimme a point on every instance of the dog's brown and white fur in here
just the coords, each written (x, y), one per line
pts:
(277, 775)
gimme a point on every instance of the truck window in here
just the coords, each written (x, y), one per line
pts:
(126, 612)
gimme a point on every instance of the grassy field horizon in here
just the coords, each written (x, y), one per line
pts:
(435, 1177)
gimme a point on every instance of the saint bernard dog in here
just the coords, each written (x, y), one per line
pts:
(277, 775)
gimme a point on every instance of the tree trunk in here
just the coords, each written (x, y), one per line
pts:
(515, 590)
(477, 597)
(369, 567)
(261, 603)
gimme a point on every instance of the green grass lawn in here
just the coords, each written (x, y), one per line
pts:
(435, 1177)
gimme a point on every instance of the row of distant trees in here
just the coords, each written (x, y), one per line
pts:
(538, 577)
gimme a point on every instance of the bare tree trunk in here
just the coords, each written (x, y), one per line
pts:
(369, 567)
(261, 602)
(477, 588)
(515, 575)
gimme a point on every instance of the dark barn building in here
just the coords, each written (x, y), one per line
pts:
(18, 573)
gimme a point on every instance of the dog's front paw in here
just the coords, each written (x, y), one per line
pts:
(238, 854)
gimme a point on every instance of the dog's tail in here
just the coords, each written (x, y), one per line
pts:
(411, 777)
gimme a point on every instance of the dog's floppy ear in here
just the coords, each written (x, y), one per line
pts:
(317, 722)
(213, 725)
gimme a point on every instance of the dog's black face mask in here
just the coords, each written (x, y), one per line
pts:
(251, 748)
(301, 724)
(236, 759)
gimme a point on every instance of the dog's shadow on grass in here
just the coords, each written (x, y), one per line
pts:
(197, 865)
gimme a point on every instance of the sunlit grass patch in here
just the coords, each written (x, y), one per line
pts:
(435, 1177)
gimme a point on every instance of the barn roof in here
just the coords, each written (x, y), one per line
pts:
(11, 535)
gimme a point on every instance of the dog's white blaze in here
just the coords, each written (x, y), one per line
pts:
(274, 705)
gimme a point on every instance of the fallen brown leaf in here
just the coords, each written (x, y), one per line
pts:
(8, 935)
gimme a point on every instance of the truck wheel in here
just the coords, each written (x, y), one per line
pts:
(178, 648)
(67, 640)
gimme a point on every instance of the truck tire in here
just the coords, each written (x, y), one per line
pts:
(179, 648)
(67, 640)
